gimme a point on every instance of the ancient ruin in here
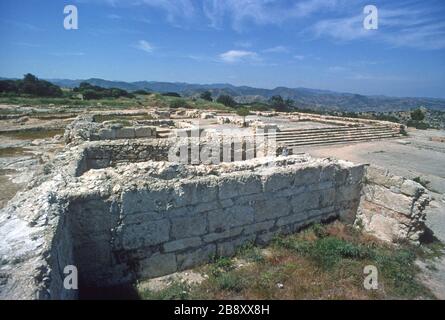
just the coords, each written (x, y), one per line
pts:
(121, 202)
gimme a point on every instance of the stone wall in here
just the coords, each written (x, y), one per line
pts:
(392, 207)
(185, 216)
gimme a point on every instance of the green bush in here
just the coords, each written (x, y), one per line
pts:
(417, 115)
(226, 100)
(418, 124)
(206, 95)
(230, 281)
(179, 103)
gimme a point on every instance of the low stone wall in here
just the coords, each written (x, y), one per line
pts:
(125, 133)
(392, 207)
(146, 219)
(181, 217)
(85, 129)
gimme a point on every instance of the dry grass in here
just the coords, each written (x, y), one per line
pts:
(322, 262)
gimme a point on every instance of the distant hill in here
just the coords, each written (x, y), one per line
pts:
(304, 97)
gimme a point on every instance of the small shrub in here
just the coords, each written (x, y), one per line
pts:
(175, 291)
(230, 281)
(250, 253)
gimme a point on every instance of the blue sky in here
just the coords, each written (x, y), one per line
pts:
(264, 43)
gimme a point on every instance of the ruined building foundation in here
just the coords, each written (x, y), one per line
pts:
(120, 211)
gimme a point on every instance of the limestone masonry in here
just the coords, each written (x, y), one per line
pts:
(112, 205)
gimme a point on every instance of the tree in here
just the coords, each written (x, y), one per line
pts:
(171, 94)
(243, 112)
(278, 103)
(9, 86)
(206, 95)
(33, 86)
(417, 115)
(141, 92)
(226, 100)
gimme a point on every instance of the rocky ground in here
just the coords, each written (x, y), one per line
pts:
(21, 156)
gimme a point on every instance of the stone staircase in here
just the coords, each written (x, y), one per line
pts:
(293, 138)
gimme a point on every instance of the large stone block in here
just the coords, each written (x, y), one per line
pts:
(145, 132)
(387, 199)
(259, 227)
(291, 219)
(228, 248)
(237, 185)
(196, 192)
(182, 244)
(155, 198)
(380, 176)
(106, 134)
(278, 181)
(157, 265)
(271, 209)
(305, 201)
(412, 188)
(143, 235)
(216, 236)
(221, 220)
(193, 258)
(125, 133)
(307, 176)
(189, 226)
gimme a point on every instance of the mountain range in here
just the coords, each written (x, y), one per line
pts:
(304, 97)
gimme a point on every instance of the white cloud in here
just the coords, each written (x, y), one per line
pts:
(398, 27)
(144, 46)
(262, 12)
(299, 57)
(175, 9)
(233, 56)
(277, 49)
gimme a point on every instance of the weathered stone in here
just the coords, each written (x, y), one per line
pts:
(305, 201)
(125, 133)
(411, 188)
(147, 234)
(145, 132)
(270, 209)
(158, 265)
(221, 220)
(189, 226)
(238, 185)
(278, 181)
(228, 248)
(216, 236)
(182, 244)
(196, 257)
